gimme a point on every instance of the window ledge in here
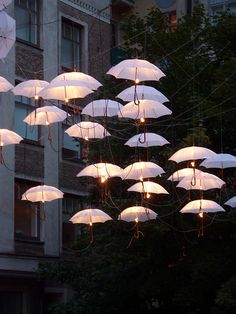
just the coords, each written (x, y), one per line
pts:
(28, 240)
(31, 142)
(27, 43)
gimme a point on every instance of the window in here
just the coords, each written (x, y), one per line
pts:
(11, 302)
(23, 108)
(71, 45)
(70, 206)
(27, 214)
(26, 14)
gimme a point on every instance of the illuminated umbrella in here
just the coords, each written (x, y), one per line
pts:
(4, 4)
(201, 181)
(81, 77)
(136, 70)
(192, 153)
(182, 173)
(5, 86)
(102, 108)
(201, 206)
(89, 217)
(141, 170)
(102, 171)
(45, 116)
(7, 33)
(142, 92)
(87, 130)
(145, 109)
(231, 202)
(146, 140)
(147, 188)
(30, 88)
(220, 161)
(65, 90)
(8, 137)
(42, 193)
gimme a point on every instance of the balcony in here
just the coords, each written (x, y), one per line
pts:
(123, 5)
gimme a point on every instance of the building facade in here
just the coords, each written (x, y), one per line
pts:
(52, 37)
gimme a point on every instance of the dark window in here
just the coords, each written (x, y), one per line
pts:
(189, 7)
(26, 14)
(70, 206)
(71, 45)
(27, 214)
(11, 302)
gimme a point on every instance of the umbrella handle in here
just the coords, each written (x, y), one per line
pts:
(194, 181)
(49, 134)
(136, 100)
(144, 139)
(91, 233)
(1, 156)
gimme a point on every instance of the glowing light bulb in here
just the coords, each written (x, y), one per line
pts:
(66, 100)
(86, 138)
(192, 163)
(136, 81)
(1, 143)
(47, 123)
(136, 220)
(90, 223)
(141, 178)
(148, 195)
(36, 97)
(103, 179)
(201, 214)
(142, 120)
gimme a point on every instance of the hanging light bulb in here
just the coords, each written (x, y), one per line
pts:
(136, 220)
(86, 138)
(141, 178)
(136, 81)
(103, 179)
(66, 100)
(200, 214)
(148, 195)
(47, 122)
(90, 223)
(142, 120)
(1, 143)
(192, 163)
(36, 97)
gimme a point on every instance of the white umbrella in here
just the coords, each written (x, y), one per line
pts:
(145, 109)
(101, 170)
(201, 206)
(30, 88)
(147, 188)
(231, 202)
(182, 173)
(42, 193)
(5, 86)
(146, 140)
(81, 77)
(220, 161)
(192, 153)
(201, 181)
(87, 130)
(142, 92)
(7, 33)
(45, 116)
(89, 217)
(102, 108)
(137, 213)
(141, 170)
(136, 70)
(4, 4)
(8, 137)
(65, 90)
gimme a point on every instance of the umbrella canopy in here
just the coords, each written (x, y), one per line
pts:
(4, 4)
(231, 202)
(192, 153)
(87, 130)
(65, 90)
(137, 213)
(136, 70)
(5, 86)
(145, 109)
(201, 181)
(90, 216)
(182, 173)
(141, 170)
(220, 161)
(30, 88)
(147, 187)
(199, 206)
(102, 108)
(7, 33)
(45, 116)
(81, 77)
(42, 193)
(8, 137)
(142, 92)
(101, 170)
(146, 140)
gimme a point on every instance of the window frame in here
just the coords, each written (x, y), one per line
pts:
(37, 26)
